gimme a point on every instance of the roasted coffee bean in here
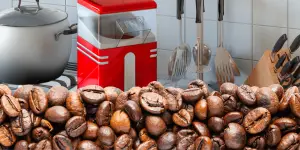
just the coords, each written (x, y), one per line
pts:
(286, 125)
(121, 100)
(46, 124)
(60, 142)
(22, 124)
(173, 98)
(216, 93)
(268, 99)
(186, 143)
(233, 117)
(249, 148)
(156, 87)
(75, 105)
(21, 145)
(284, 102)
(216, 124)
(133, 110)
(144, 136)
(87, 145)
(43, 145)
(140, 124)
(57, 114)
(57, 95)
(182, 118)
(148, 145)
(35, 120)
(4, 89)
(203, 143)
(278, 89)
(23, 92)
(246, 95)
(136, 144)
(295, 105)
(38, 101)
(190, 109)
(104, 113)
(133, 134)
(257, 120)
(218, 144)
(76, 126)
(257, 142)
(3, 115)
(40, 133)
(245, 109)
(201, 109)
(134, 93)
(23, 103)
(167, 117)
(75, 142)
(120, 122)
(155, 125)
(123, 142)
(31, 146)
(185, 133)
(112, 93)
(192, 95)
(199, 84)
(273, 135)
(7, 137)
(235, 136)
(290, 141)
(166, 141)
(92, 94)
(106, 136)
(91, 131)
(201, 129)
(230, 103)
(153, 103)
(229, 88)
(10, 105)
(215, 106)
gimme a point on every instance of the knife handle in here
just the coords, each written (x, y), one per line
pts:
(296, 73)
(294, 63)
(295, 45)
(280, 42)
(198, 11)
(280, 62)
(285, 69)
(221, 10)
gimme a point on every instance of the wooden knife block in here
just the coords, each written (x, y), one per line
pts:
(263, 74)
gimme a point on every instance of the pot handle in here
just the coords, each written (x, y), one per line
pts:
(37, 2)
(72, 30)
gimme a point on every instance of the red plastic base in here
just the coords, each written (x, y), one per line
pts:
(106, 67)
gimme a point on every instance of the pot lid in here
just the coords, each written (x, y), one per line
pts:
(31, 16)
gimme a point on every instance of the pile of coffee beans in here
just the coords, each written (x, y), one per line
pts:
(150, 118)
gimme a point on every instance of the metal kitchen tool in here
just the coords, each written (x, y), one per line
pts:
(223, 68)
(280, 62)
(278, 46)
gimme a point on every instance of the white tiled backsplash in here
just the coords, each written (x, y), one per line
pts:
(250, 27)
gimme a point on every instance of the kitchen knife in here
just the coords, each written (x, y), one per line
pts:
(278, 45)
(280, 62)
(284, 72)
(294, 64)
(295, 45)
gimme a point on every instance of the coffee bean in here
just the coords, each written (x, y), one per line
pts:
(201, 109)
(229, 88)
(273, 135)
(121, 100)
(31, 146)
(112, 93)
(35, 120)
(216, 124)
(174, 99)
(4, 90)
(230, 103)
(216, 93)
(120, 122)
(46, 124)
(57, 114)
(104, 113)
(295, 104)
(245, 109)
(186, 143)
(133, 134)
(199, 84)
(284, 102)
(215, 106)
(21, 145)
(185, 133)
(10, 105)
(246, 95)
(7, 138)
(22, 124)
(23, 103)
(285, 125)
(156, 87)
(155, 125)
(233, 117)
(183, 118)
(201, 129)
(40, 133)
(106, 136)
(203, 143)
(57, 95)
(218, 144)
(60, 142)
(76, 126)
(278, 89)
(140, 124)
(290, 141)
(133, 110)
(143, 135)
(153, 103)
(43, 145)
(167, 117)
(134, 93)
(91, 131)
(87, 145)
(148, 145)
(123, 142)
(192, 95)
(249, 148)
(166, 141)
(74, 104)
(235, 136)
(23, 92)
(92, 94)
(257, 120)
(254, 88)
(136, 144)
(38, 101)
(3, 115)
(75, 142)
(268, 99)
(257, 142)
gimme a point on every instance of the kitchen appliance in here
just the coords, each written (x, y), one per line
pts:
(116, 43)
(35, 44)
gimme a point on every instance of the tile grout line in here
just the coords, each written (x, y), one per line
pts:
(252, 45)
(287, 21)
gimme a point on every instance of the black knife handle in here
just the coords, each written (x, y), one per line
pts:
(280, 42)
(220, 10)
(285, 69)
(198, 11)
(179, 13)
(280, 62)
(294, 63)
(295, 45)
(296, 74)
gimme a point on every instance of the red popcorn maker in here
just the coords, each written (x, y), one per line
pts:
(116, 44)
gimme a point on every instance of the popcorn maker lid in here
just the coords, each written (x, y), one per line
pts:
(117, 8)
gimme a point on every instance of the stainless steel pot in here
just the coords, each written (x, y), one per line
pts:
(35, 44)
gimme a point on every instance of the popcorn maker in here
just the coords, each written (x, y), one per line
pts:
(116, 44)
